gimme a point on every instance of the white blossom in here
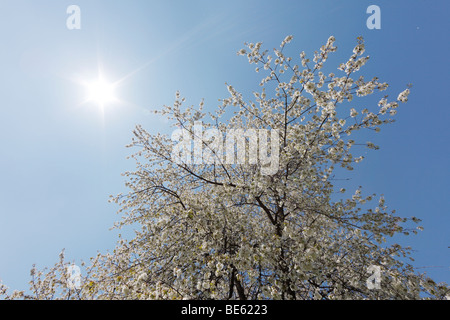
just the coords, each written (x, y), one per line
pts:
(403, 96)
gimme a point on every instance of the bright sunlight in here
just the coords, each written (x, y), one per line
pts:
(101, 91)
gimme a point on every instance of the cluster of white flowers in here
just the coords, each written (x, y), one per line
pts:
(309, 87)
(286, 40)
(143, 277)
(403, 96)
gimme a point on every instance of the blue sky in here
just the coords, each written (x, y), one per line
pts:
(61, 157)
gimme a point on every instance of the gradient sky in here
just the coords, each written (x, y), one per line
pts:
(61, 158)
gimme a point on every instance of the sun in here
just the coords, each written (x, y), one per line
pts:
(101, 91)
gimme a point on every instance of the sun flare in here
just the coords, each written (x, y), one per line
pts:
(101, 91)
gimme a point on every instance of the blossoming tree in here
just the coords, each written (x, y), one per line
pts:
(222, 230)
